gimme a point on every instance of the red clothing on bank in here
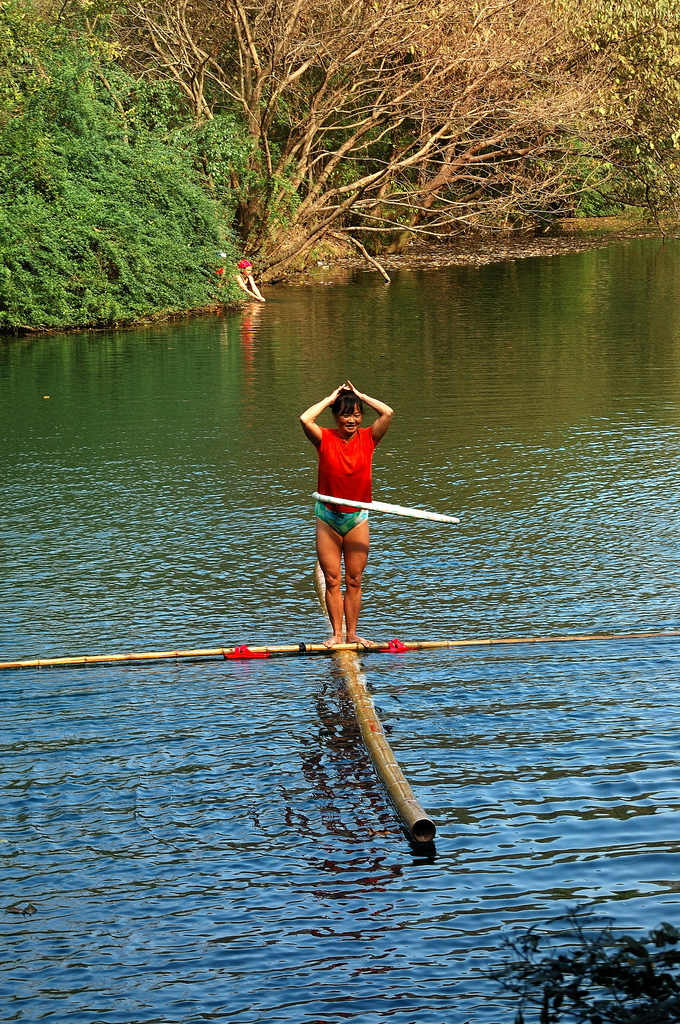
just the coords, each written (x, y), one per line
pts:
(345, 466)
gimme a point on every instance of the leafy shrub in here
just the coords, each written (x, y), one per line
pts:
(103, 220)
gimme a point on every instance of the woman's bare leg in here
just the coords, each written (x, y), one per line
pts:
(329, 553)
(355, 546)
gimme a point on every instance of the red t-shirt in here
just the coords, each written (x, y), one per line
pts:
(345, 466)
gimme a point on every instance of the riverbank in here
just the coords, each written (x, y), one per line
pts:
(576, 235)
(157, 319)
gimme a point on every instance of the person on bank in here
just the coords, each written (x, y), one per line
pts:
(246, 281)
(345, 463)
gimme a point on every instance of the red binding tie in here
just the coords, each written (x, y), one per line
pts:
(243, 651)
(396, 647)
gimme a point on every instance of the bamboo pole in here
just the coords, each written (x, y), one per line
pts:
(418, 824)
(292, 650)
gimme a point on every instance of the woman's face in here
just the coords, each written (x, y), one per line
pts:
(349, 422)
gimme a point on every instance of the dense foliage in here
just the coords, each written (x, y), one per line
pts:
(104, 218)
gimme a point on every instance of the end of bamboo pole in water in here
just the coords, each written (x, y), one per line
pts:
(422, 828)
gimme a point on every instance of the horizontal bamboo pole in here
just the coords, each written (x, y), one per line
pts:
(292, 650)
(418, 824)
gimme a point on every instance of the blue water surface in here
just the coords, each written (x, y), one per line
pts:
(191, 840)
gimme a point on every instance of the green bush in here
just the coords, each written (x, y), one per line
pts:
(104, 219)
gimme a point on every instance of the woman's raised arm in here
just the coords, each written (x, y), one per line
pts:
(309, 416)
(385, 413)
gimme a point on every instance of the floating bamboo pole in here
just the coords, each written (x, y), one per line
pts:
(291, 650)
(418, 824)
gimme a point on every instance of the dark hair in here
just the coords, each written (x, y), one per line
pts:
(346, 402)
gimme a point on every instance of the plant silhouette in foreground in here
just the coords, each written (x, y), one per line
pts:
(578, 969)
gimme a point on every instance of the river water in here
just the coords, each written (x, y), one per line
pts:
(197, 841)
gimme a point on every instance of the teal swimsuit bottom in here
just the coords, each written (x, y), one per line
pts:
(341, 522)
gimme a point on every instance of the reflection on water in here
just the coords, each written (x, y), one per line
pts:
(208, 840)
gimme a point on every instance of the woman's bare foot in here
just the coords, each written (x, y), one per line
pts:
(354, 638)
(333, 641)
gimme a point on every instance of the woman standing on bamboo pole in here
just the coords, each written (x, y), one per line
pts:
(345, 462)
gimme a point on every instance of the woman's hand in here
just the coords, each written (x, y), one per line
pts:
(348, 386)
(338, 391)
